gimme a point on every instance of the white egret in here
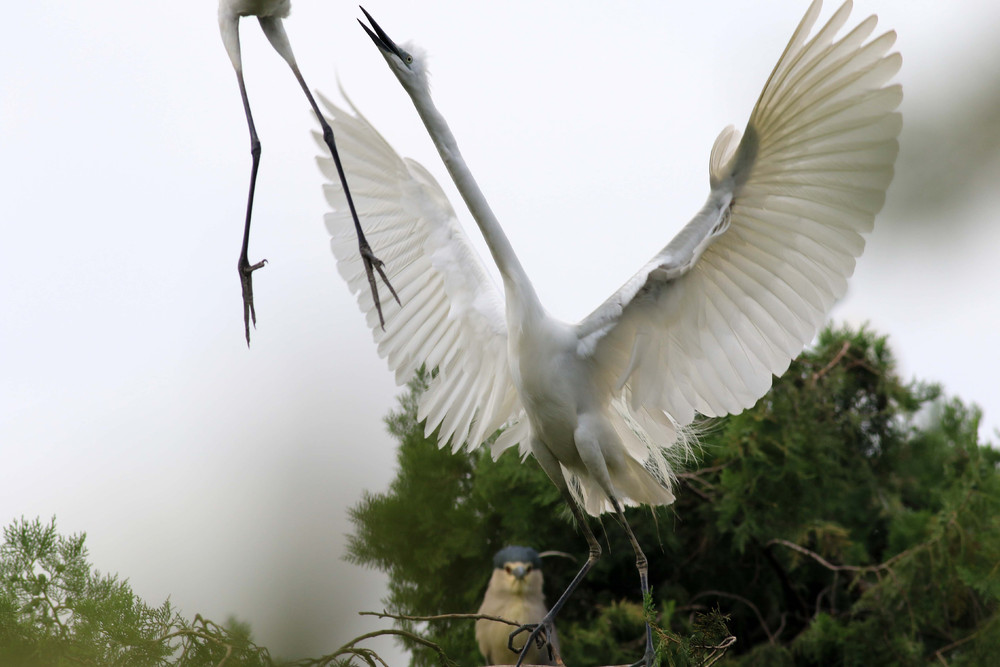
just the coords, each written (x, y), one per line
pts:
(270, 13)
(701, 328)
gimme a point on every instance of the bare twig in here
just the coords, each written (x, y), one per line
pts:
(781, 626)
(717, 651)
(439, 617)
(209, 631)
(827, 564)
(944, 649)
(878, 567)
(369, 655)
(710, 469)
(701, 494)
(833, 362)
(698, 476)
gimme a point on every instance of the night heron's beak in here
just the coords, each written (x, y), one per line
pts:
(381, 39)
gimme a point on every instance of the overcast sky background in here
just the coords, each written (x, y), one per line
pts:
(130, 406)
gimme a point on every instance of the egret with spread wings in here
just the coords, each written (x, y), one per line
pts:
(702, 328)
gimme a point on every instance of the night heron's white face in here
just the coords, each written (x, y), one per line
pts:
(519, 578)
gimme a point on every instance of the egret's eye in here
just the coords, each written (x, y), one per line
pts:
(527, 568)
(409, 59)
(507, 569)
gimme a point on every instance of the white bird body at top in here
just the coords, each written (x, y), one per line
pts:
(277, 8)
(702, 328)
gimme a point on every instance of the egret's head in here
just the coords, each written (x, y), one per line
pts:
(408, 67)
(517, 571)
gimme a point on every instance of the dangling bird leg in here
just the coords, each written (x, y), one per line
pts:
(372, 263)
(243, 266)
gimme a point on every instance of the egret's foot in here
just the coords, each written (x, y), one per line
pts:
(650, 654)
(372, 264)
(645, 661)
(246, 282)
(539, 635)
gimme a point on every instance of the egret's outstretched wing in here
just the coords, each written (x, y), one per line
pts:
(749, 281)
(452, 316)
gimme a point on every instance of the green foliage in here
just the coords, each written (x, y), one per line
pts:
(708, 641)
(55, 611)
(444, 512)
(849, 518)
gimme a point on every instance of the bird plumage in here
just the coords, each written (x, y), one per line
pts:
(268, 12)
(701, 328)
(514, 593)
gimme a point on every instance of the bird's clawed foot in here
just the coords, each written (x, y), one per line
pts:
(646, 660)
(372, 264)
(246, 283)
(649, 656)
(539, 634)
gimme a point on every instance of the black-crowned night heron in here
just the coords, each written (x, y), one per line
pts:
(514, 593)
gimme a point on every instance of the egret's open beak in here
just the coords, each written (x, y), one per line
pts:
(381, 39)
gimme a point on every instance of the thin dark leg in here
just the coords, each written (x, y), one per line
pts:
(369, 258)
(547, 624)
(643, 566)
(243, 266)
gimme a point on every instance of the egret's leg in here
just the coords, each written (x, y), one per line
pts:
(643, 566)
(369, 258)
(547, 625)
(243, 266)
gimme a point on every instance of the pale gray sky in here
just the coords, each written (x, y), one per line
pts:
(130, 406)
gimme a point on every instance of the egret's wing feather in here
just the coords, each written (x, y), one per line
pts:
(451, 317)
(745, 286)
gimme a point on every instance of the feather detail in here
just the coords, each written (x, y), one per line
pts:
(451, 317)
(746, 285)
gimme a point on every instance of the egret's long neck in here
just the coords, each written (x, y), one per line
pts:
(515, 280)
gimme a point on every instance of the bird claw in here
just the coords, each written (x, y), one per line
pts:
(372, 264)
(540, 634)
(246, 283)
(645, 661)
(648, 658)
